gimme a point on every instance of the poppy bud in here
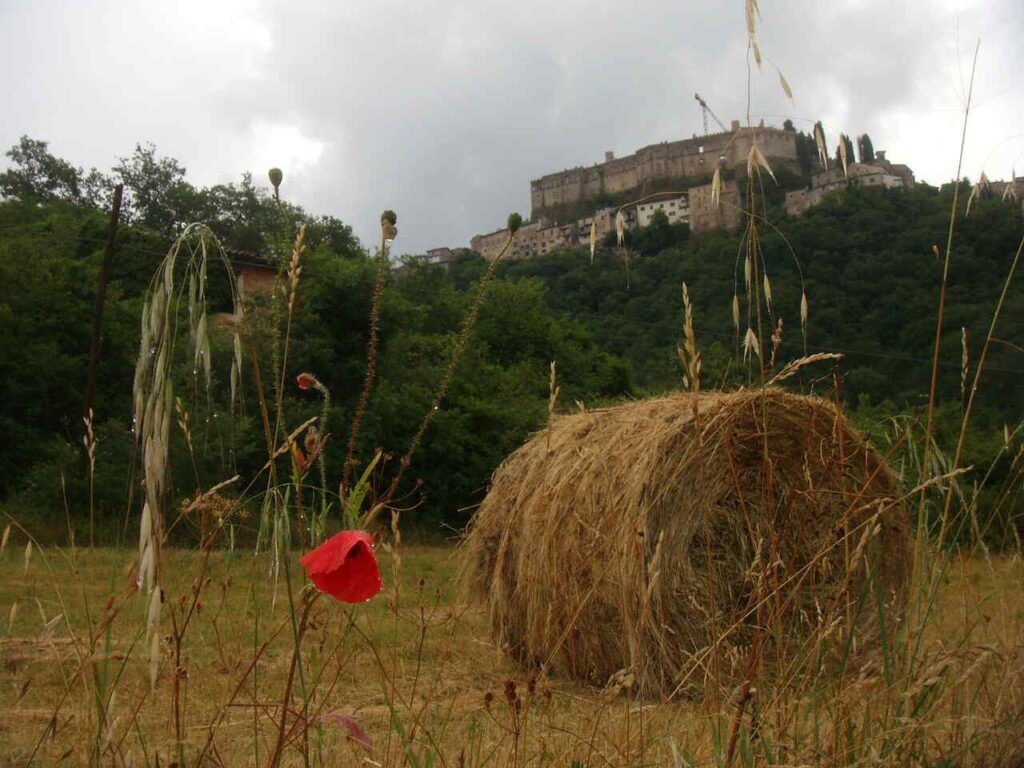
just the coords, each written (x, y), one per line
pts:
(312, 440)
(308, 381)
(389, 217)
(276, 177)
(515, 221)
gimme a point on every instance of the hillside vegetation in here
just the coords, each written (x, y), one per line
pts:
(866, 260)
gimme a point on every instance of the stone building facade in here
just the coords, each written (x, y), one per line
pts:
(707, 216)
(697, 208)
(687, 159)
(689, 163)
(879, 174)
(677, 209)
(442, 257)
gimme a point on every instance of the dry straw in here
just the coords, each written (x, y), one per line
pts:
(652, 536)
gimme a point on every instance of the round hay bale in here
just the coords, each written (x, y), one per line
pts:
(652, 537)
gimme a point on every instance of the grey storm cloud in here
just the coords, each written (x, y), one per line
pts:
(444, 111)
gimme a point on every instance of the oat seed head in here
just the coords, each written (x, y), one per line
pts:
(972, 198)
(756, 159)
(750, 344)
(819, 140)
(785, 86)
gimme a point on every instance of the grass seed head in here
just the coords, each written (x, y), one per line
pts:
(819, 140)
(750, 344)
(756, 159)
(785, 86)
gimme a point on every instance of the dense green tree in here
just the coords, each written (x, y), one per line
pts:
(613, 326)
(865, 149)
(37, 175)
(806, 154)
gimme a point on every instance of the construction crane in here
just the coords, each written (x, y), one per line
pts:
(707, 111)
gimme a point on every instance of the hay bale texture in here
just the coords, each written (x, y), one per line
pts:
(651, 536)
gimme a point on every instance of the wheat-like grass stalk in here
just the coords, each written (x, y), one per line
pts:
(388, 232)
(689, 355)
(89, 442)
(964, 364)
(794, 366)
(468, 323)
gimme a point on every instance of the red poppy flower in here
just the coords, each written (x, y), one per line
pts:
(345, 567)
(307, 381)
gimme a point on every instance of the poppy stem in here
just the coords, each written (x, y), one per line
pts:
(298, 631)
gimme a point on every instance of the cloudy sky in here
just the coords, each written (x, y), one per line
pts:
(445, 109)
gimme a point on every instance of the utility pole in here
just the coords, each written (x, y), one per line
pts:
(101, 297)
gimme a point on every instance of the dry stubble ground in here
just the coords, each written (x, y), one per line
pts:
(434, 661)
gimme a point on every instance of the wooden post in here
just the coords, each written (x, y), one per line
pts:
(101, 297)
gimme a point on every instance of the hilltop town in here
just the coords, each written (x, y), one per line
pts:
(675, 178)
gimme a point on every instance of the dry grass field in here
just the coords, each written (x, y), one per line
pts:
(421, 684)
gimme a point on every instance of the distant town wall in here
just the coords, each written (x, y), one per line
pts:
(685, 159)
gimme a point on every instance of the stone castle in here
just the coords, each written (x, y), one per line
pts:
(688, 159)
(686, 166)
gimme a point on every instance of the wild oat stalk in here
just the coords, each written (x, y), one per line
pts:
(153, 394)
(939, 320)
(552, 397)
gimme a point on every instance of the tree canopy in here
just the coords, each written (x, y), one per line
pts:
(863, 258)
